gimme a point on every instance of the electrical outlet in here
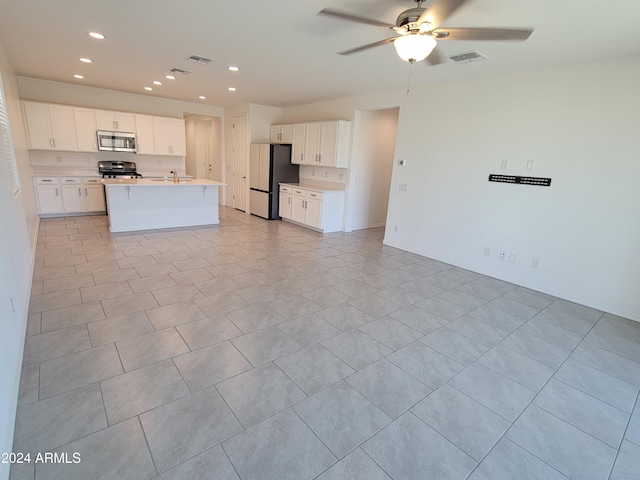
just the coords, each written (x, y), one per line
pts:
(404, 187)
(505, 164)
(535, 263)
(395, 228)
(513, 258)
(59, 159)
(313, 173)
(341, 176)
(503, 255)
(487, 251)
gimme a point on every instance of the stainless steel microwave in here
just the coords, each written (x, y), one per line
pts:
(116, 141)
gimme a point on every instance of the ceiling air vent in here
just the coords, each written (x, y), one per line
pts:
(468, 57)
(180, 71)
(199, 59)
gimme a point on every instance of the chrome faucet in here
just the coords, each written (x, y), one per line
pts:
(175, 176)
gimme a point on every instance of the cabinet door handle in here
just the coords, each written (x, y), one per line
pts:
(85, 192)
(54, 142)
(95, 145)
(79, 192)
(301, 157)
(57, 193)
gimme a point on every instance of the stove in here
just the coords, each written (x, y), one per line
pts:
(122, 170)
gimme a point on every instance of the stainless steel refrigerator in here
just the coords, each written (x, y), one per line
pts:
(270, 165)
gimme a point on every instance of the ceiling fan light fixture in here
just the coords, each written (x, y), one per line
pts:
(415, 47)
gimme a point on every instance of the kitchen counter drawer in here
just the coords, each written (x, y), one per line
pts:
(47, 180)
(70, 180)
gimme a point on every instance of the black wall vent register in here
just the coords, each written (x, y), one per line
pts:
(540, 181)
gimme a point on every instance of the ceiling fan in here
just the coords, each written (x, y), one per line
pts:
(419, 29)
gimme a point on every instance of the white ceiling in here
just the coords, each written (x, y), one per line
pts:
(286, 53)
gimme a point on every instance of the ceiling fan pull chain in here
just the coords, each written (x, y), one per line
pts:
(410, 78)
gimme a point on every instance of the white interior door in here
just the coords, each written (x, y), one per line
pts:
(211, 167)
(240, 160)
(201, 150)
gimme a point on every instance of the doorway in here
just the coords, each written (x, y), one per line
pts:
(373, 150)
(204, 148)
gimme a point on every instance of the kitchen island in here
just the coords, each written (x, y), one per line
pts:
(144, 204)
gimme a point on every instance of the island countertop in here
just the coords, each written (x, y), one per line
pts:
(151, 182)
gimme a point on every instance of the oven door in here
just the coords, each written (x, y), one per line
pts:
(116, 141)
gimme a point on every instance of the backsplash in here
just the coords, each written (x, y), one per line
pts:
(324, 174)
(147, 165)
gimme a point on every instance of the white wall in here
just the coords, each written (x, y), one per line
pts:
(260, 119)
(17, 243)
(581, 125)
(374, 142)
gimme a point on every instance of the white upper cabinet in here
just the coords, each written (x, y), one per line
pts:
(169, 136)
(299, 132)
(312, 143)
(50, 127)
(325, 144)
(115, 121)
(281, 133)
(334, 144)
(73, 129)
(85, 120)
(145, 140)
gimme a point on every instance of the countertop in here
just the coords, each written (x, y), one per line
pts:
(315, 188)
(148, 182)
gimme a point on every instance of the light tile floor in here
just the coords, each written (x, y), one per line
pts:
(262, 350)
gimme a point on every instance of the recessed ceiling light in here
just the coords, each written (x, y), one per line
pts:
(232, 89)
(170, 77)
(97, 35)
(202, 97)
(233, 69)
(85, 60)
(148, 88)
(78, 76)
(156, 82)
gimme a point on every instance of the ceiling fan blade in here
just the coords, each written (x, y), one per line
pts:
(434, 58)
(439, 12)
(366, 47)
(354, 18)
(482, 34)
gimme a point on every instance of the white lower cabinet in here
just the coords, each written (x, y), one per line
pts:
(298, 207)
(284, 205)
(62, 195)
(49, 195)
(94, 195)
(319, 209)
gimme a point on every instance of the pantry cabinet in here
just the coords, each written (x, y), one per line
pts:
(50, 127)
